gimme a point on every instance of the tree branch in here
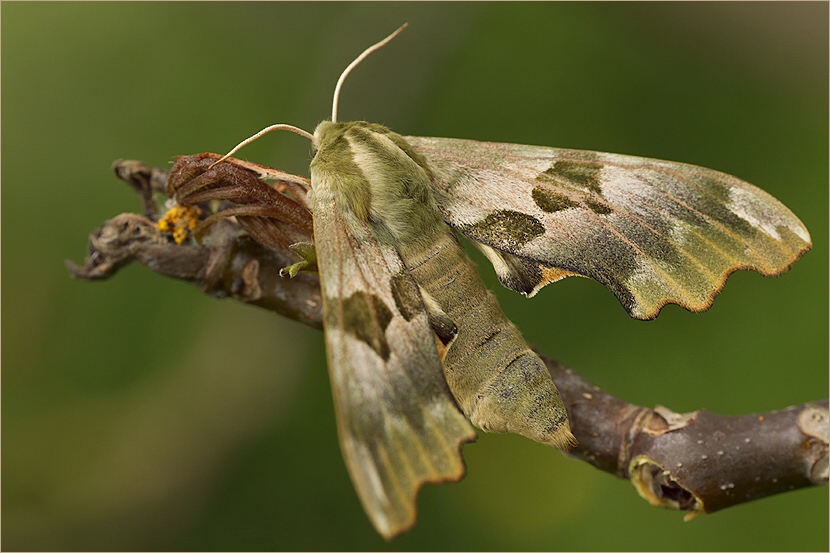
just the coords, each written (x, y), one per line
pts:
(694, 462)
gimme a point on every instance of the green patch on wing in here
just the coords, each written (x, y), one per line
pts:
(713, 200)
(585, 174)
(550, 201)
(597, 207)
(507, 226)
(407, 297)
(581, 179)
(366, 318)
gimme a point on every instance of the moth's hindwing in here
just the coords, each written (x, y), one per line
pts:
(398, 424)
(654, 232)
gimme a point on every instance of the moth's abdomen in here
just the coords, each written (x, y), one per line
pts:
(499, 383)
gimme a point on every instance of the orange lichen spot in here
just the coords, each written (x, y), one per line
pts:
(180, 220)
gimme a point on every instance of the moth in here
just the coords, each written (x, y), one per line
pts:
(418, 348)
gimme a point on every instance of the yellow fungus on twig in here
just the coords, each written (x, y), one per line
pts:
(180, 220)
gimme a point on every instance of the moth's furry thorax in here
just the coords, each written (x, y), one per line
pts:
(378, 177)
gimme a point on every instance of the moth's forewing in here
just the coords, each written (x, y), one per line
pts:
(398, 424)
(654, 232)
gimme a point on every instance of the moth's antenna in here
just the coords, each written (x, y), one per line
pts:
(352, 65)
(301, 132)
(263, 132)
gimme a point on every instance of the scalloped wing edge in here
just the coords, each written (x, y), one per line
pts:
(654, 232)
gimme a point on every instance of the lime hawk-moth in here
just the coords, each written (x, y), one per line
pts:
(417, 347)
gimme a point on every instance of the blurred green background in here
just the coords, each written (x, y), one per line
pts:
(139, 414)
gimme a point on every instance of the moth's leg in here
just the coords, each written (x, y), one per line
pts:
(230, 189)
(308, 253)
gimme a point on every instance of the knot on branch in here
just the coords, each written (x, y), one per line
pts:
(814, 422)
(117, 243)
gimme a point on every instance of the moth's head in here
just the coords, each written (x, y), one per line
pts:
(322, 135)
(331, 149)
(329, 133)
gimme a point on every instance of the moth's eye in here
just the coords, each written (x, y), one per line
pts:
(313, 152)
